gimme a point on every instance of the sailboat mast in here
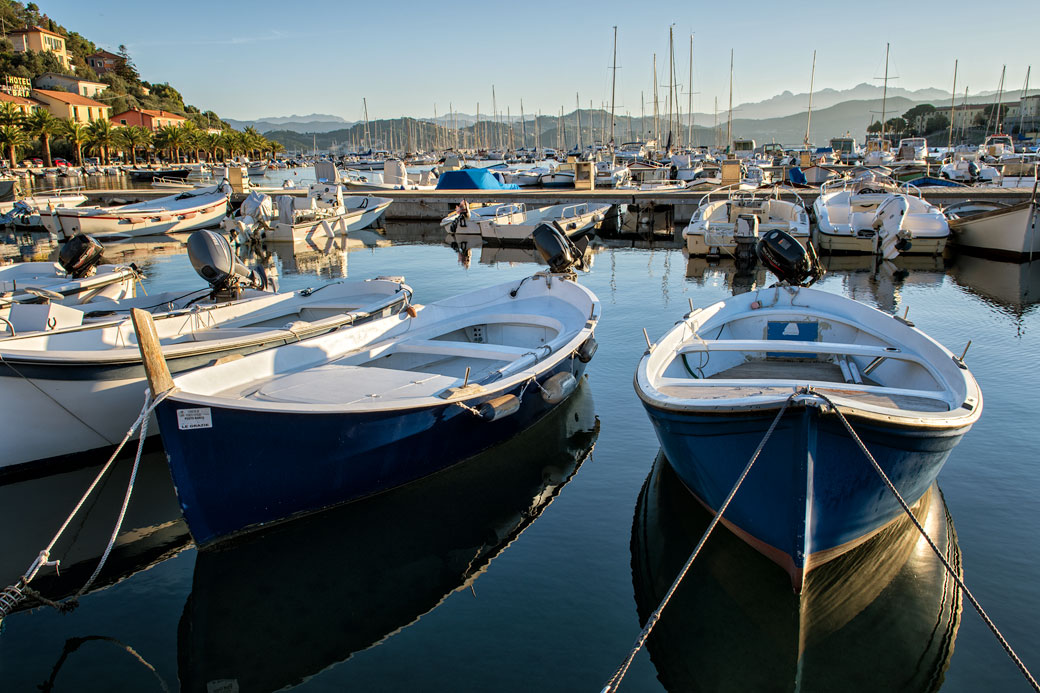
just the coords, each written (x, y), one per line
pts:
(689, 100)
(884, 98)
(1022, 111)
(729, 121)
(523, 127)
(577, 114)
(494, 116)
(995, 115)
(368, 135)
(671, 73)
(812, 82)
(613, 84)
(657, 123)
(953, 108)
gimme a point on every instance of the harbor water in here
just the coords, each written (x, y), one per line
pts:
(533, 565)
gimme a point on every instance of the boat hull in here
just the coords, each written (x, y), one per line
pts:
(1005, 234)
(143, 223)
(812, 494)
(241, 471)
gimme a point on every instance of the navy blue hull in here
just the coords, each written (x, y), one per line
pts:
(812, 494)
(254, 467)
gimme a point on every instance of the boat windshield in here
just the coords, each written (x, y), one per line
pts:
(743, 145)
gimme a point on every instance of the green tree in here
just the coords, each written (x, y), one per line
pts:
(917, 117)
(125, 67)
(74, 133)
(937, 123)
(133, 137)
(171, 138)
(12, 138)
(896, 126)
(10, 114)
(101, 137)
(41, 124)
(874, 128)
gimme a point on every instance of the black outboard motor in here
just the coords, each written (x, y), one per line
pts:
(213, 260)
(80, 255)
(785, 257)
(557, 250)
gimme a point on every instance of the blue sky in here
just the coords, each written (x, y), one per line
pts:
(268, 58)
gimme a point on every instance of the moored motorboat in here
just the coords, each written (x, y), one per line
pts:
(448, 379)
(186, 211)
(715, 383)
(713, 228)
(514, 223)
(77, 387)
(1006, 233)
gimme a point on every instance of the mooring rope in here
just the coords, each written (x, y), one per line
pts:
(12, 595)
(942, 558)
(615, 680)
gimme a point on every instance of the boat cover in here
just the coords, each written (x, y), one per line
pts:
(472, 179)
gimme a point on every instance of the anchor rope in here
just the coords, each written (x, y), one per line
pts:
(12, 595)
(939, 554)
(615, 680)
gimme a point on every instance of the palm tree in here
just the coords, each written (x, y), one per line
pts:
(101, 136)
(42, 124)
(132, 137)
(192, 137)
(172, 138)
(211, 142)
(75, 134)
(10, 114)
(12, 137)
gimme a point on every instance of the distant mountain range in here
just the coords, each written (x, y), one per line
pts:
(315, 122)
(780, 118)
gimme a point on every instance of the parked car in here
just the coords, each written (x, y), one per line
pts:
(58, 161)
(38, 163)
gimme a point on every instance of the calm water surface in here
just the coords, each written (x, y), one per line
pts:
(531, 566)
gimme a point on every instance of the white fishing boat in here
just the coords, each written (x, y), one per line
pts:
(75, 389)
(515, 223)
(560, 177)
(872, 215)
(448, 379)
(631, 151)
(1003, 233)
(530, 177)
(610, 174)
(878, 152)
(912, 150)
(715, 383)
(467, 215)
(970, 171)
(729, 218)
(186, 211)
(77, 278)
(256, 168)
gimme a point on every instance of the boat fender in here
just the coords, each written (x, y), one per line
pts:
(587, 350)
(499, 407)
(412, 312)
(558, 388)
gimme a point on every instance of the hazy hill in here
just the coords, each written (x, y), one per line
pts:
(315, 122)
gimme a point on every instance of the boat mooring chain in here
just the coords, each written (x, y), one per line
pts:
(615, 680)
(12, 595)
(942, 558)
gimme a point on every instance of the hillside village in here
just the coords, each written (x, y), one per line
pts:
(61, 96)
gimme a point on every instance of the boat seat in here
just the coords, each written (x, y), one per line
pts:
(497, 352)
(795, 346)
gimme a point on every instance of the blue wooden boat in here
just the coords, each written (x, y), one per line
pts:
(716, 381)
(360, 411)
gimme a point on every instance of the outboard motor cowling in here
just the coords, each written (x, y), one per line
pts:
(784, 256)
(80, 255)
(556, 250)
(214, 260)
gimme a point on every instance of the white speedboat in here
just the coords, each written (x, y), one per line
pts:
(515, 223)
(323, 214)
(727, 217)
(871, 215)
(77, 389)
(970, 171)
(186, 211)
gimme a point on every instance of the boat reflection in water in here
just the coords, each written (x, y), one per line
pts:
(884, 616)
(1013, 288)
(274, 607)
(34, 508)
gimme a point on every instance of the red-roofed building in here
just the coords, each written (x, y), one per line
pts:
(66, 106)
(26, 106)
(40, 40)
(103, 62)
(151, 120)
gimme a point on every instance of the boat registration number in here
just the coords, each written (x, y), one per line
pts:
(188, 419)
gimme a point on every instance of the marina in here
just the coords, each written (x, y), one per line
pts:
(621, 371)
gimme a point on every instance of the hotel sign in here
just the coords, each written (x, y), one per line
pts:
(16, 86)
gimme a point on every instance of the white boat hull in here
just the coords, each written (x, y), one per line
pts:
(137, 220)
(1010, 233)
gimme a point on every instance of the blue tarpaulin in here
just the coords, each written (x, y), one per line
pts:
(472, 179)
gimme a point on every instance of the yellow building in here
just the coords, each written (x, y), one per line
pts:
(40, 40)
(64, 105)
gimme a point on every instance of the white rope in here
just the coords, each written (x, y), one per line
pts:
(615, 680)
(12, 595)
(942, 558)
